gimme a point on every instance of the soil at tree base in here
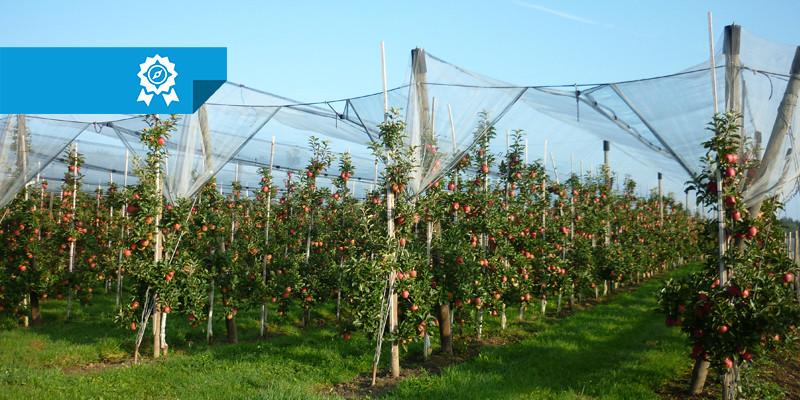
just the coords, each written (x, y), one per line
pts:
(784, 372)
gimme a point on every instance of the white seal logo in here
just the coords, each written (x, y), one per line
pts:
(157, 76)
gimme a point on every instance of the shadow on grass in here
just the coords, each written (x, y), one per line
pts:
(618, 350)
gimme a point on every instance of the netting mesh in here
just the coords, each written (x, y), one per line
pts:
(27, 145)
(654, 125)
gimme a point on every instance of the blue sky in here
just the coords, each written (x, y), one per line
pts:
(325, 50)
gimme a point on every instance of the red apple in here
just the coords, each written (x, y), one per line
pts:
(405, 294)
(451, 186)
(731, 158)
(787, 277)
(722, 328)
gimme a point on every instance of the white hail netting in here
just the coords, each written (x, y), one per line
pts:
(23, 152)
(654, 125)
(658, 124)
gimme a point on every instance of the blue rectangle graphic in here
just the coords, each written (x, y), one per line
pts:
(109, 80)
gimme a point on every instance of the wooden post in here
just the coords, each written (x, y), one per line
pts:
(205, 136)
(687, 201)
(159, 320)
(607, 174)
(780, 127)
(263, 322)
(732, 81)
(22, 150)
(122, 229)
(445, 317)
(660, 198)
(72, 223)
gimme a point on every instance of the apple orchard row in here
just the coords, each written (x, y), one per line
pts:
(492, 233)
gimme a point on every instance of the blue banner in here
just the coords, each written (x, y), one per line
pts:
(109, 80)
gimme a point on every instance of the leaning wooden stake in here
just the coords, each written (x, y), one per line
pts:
(72, 223)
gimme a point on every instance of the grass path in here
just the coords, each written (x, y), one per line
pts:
(618, 350)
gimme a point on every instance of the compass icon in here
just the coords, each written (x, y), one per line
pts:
(157, 74)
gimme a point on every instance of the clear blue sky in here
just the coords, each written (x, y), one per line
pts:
(325, 50)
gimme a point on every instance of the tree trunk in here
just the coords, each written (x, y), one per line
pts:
(69, 302)
(699, 373)
(558, 305)
(479, 322)
(445, 334)
(728, 390)
(426, 345)
(263, 323)
(163, 334)
(503, 319)
(157, 331)
(230, 327)
(36, 312)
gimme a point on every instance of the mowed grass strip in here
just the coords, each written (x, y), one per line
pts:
(89, 358)
(617, 350)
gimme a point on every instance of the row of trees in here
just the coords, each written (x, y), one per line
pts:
(744, 301)
(493, 233)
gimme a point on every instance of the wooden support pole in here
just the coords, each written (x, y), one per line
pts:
(785, 114)
(660, 198)
(263, 322)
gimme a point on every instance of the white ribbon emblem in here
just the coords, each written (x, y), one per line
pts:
(157, 76)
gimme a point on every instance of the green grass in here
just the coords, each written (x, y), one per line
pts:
(51, 362)
(619, 350)
(616, 350)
